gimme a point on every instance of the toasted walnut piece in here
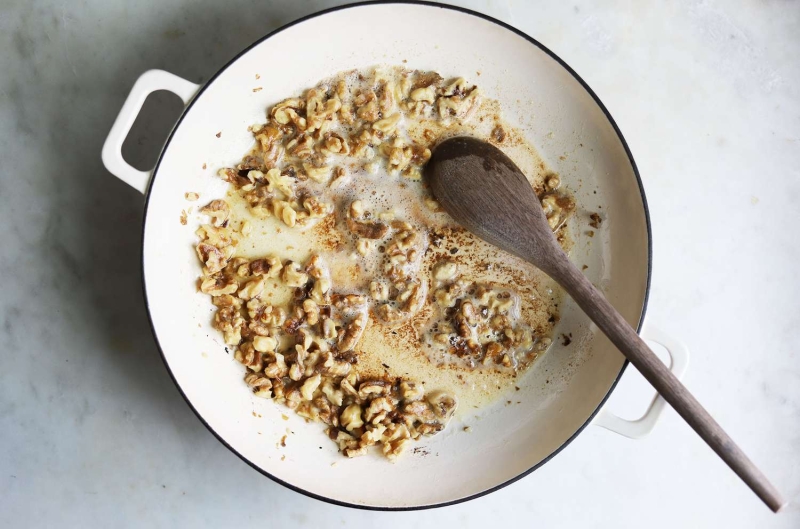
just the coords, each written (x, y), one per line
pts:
(278, 387)
(276, 368)
(242, 270)
(320, 291)
(230, 322)
(341, 89)
(379, 291)
(266, 314)
(217, 286)
(445, 270)
(393, 448)
(355, 452)
(398, 154)
(261, 212)
(212, 257)
(342, 438)
(287, 213)
(442, 338)
(373, 388)
(494, 350)
(320, 115)
(292, 397)
(335, 144)
(397, 435)
(350, 418)
(315, 267)
(218, 210)
(388, 124)
(293, 276)
(456, 88)
(552, 183)
(389, 314)
(252, 289)
(457, 105)
(412, 173)
(264, 344)
(226, 300)
(411, 391)
(219, 237)
(372, 167)
(249, 357)
(353, 379)
(550, 205)
(470, 313)
(501, 304)
(443, 405)
(335, 396)
(261, 385)
(276, 181)
(266, 136)
(373, 434)
(378, 409)
(352, 333)
(285, 113)
(295, 372)
(307, 410)
(328, 414)
(328, 329)
(419, 410)
(317, 174)
(267, 267)
(427, 94)
(367, 230)
(339, 368)
(369, 111)
(386, 96)
(311, 310)
(356, 209)
(339, 178)
(301, 147)
(310, 386)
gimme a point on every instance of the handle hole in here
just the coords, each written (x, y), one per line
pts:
(143, 144)
(633, 394)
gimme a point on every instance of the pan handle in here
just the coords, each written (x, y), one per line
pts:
(146, 84)
(679, 360)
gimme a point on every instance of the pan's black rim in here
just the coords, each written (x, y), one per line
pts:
(627, 152)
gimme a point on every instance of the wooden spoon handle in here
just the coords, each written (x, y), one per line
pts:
(635, 349)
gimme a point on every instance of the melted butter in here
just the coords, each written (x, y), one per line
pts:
(399, 351)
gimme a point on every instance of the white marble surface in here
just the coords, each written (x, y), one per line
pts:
(92, 431)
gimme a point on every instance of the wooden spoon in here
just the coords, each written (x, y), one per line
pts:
(483, 190)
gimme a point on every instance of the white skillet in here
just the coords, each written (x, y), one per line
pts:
(540, 94)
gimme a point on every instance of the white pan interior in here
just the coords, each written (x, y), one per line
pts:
(572, 133)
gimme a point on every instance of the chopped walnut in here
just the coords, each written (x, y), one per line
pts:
(293, 276)
(218, 210)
